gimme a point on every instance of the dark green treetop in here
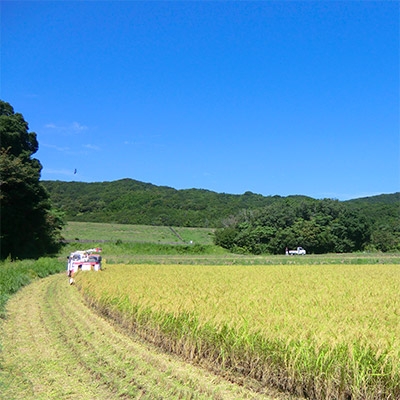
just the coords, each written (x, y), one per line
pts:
(29, 226)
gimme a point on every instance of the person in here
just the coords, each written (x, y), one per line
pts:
(287, 251)
(70, 270)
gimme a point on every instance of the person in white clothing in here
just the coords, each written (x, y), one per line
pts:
(70, 270)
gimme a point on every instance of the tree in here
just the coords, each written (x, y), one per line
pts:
(320, 226)
(30, 228)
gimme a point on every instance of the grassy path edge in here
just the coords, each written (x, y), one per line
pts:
(54, 346)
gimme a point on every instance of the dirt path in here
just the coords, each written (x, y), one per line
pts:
(55, 347)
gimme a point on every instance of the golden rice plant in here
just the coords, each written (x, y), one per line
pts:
(324, 331)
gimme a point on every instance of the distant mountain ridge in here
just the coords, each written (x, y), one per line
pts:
(135, 202)
(380, 198)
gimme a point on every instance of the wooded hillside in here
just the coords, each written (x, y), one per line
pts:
(249, 221)
(135, 202)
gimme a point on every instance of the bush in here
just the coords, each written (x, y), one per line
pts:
(16, 274)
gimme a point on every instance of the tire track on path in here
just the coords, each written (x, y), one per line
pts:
(54, 346)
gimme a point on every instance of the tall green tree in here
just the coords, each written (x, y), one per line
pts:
(30, 227)
(320, 226)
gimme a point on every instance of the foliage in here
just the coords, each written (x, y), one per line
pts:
(383, 215)
(29, 225)
(320, 226)
(16, 274)
(128, 201)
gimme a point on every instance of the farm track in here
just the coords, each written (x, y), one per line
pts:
(54, 346)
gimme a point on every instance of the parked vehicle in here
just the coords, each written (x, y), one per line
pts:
(297, 252)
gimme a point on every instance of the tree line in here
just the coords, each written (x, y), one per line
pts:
(247, 223)
(320, 226)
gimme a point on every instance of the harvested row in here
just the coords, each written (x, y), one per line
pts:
(54, 346)
(322, 331)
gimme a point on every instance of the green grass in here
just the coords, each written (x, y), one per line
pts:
(100, 232)
(16, 274)
(55, 347)
(159, 253)
(123, 243)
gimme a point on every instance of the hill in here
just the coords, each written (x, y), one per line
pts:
(134, 202)
(129, 201)
(393, 198)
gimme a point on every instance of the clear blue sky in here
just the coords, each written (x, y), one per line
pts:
(272, 97)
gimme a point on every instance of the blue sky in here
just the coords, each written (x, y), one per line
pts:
(272, 97)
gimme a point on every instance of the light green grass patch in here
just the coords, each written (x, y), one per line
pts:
(136, 233)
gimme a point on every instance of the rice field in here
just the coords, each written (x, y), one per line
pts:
(319, 331)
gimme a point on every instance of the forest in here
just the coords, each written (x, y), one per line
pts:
(248, 223)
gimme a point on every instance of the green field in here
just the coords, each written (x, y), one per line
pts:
(159, 245)
(101, 232)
